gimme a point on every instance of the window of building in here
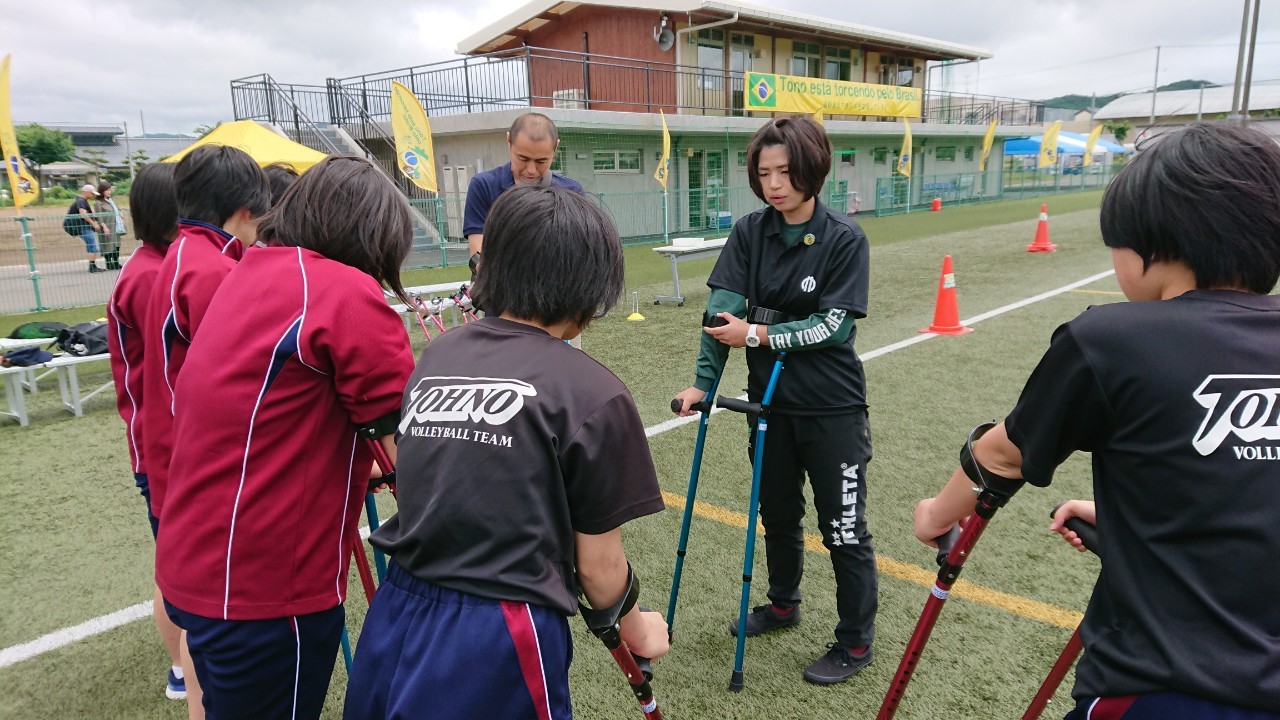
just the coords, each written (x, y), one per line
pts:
(837, 63)
(899, 71)
(711, 57)
(557, 162)
(968, 153)
(742, 158)
(847, 157)
(945, 154)
(806, 60)
(880, 155)
(616, 161)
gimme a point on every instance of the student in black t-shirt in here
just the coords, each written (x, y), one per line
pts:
(1177, 396)
(808, 264)
(520, 458)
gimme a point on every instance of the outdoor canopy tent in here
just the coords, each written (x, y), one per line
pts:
(1068, 144)
(261, 143)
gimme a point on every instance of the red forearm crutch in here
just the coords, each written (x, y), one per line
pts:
(388, 468)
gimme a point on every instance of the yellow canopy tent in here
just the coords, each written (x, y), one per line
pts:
(262, 145)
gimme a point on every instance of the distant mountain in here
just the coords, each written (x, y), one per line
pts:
(1080, 102)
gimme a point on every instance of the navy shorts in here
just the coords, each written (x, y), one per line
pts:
(1162, 706)
(144, 489)
(277, 668)
(426, 651)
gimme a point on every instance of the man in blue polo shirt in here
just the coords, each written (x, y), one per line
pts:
(531, 143)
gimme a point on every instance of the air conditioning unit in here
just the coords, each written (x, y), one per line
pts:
(572, 99)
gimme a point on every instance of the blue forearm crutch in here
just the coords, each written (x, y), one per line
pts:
(761, 410)
(704, 407)
(346, 648)
(379, 560)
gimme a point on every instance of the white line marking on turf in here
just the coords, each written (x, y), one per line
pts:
(66, 636)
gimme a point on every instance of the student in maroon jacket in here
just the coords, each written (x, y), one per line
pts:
(270, 467)
(221, 194)
(153, 206)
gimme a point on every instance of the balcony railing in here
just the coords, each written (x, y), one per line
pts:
(540, 77)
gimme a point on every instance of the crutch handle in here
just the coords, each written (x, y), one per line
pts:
(1087, 533)
(945, 541)
(700, 406)
(736, 405)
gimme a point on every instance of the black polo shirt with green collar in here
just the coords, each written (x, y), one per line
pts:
(828, 269)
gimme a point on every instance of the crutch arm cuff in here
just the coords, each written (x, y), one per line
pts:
(385, 425)
(985, 480)
(600, 621)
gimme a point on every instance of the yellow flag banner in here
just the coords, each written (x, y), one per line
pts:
(1089, 143)
(787, 93)
(24, 187)
(904, 157)
(1049, 146)
(414, 155)
(660, 173)
(986, 145)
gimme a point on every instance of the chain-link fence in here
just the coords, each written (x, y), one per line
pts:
(43, 267)
(900, 194)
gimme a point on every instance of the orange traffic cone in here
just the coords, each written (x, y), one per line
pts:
(1041, 243)
(946, 314)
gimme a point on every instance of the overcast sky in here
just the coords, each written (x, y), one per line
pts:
(80, 61)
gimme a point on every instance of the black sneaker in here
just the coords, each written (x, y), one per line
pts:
(95, 269)
(763, 619)
(837, 665)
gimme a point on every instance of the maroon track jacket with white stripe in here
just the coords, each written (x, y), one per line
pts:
(268, 474)
(126, 342)
(193, 268)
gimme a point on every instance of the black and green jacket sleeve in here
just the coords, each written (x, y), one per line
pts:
(819, 330)
(712, 354)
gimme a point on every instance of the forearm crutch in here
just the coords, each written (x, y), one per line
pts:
(383, 460)
(604, 624)
(761, 411)
(703, 407)
(993, 492)
(1089, 536)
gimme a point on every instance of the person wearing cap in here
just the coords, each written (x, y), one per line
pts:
(89, 227)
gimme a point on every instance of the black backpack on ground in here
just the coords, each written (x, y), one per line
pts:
(86, 338)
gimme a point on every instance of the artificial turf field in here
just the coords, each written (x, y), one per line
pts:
(77, 547)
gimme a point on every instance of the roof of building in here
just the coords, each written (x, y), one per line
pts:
(155, 148)
(79, 128)
(1175, 103)
(537, 13)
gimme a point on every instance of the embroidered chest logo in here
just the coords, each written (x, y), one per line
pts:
(459, 399)
(808, 284)
(1244, 406)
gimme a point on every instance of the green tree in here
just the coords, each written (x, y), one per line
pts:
(1118, 130)
(41, 145)
(95, 157)
(202, 130)
(138, 159)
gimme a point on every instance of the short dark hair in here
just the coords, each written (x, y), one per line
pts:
(550, 255)
(1207, 196)
(214, 181)
(347, 210)
(535, 126)
(279, 177)
(153, 204)
(808, 153)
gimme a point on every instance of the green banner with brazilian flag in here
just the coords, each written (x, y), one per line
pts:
(787, 93)
(409, 124)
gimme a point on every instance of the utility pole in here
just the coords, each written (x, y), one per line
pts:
(128, 152)
(1155, 84)
(1244, 35)
(144, 123)
(1248, 67)
(1200, 107)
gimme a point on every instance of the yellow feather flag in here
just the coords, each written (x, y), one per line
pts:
(24, 187)
(660, 173)
(986, 145)
(1089, 143)
(1049, 146)
(904, 157)
(414, 154)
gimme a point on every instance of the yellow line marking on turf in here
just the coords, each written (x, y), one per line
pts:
(1013, 604)
(1098, 292)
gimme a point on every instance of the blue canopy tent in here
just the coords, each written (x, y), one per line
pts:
(1068, 144)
